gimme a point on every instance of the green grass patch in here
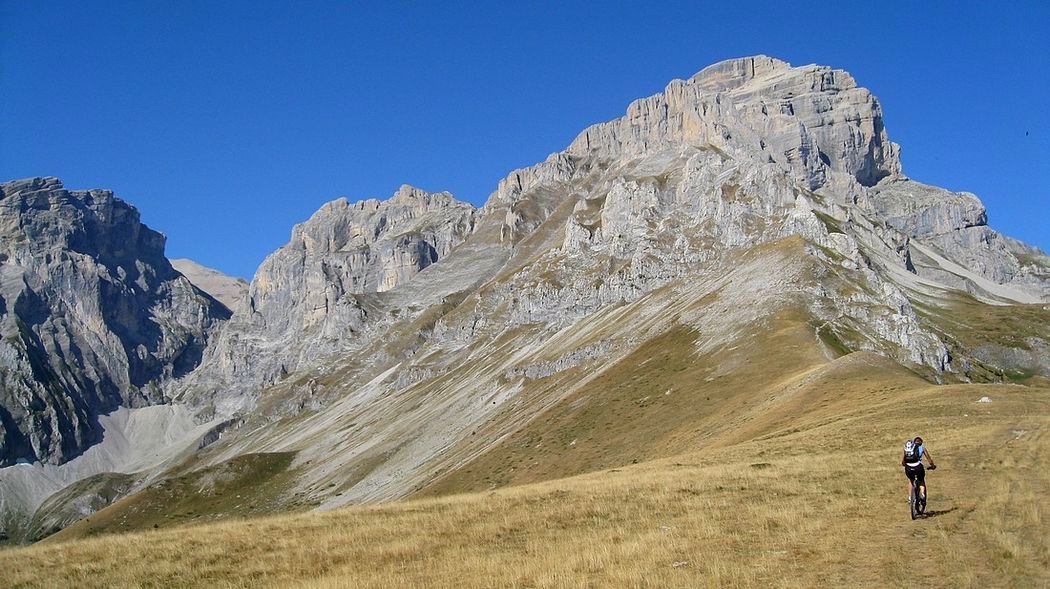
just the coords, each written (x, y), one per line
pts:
(829, 222)
(829, 338)
(245, 486)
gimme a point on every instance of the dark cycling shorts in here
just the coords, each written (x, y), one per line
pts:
(916, 474)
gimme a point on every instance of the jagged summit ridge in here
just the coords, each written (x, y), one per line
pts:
(307, 300)
(811, 120)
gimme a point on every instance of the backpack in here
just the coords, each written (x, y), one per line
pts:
(911, 452)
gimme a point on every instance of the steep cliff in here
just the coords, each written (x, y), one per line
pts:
(307, 300)
(93, 317)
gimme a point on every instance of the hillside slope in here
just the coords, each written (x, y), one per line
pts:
(812, 494)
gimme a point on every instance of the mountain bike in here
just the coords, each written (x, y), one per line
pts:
(917, 503)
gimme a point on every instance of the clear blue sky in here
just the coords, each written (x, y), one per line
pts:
(227, 122)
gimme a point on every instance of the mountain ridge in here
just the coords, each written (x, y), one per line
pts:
(94, 316)
(380, 341)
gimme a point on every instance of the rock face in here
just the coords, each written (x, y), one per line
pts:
(92, 315)
(228, 290)
(303, 303)
(813, 120)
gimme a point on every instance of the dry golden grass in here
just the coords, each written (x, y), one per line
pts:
(817, 500)
(658, 401)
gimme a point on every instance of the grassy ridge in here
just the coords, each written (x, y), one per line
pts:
(248, 485)
(658, 401)
(809, 497)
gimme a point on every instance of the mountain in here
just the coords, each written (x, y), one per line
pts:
(93, 317)
(228, 290)
(657, 285)
(309, 299)
(752, 198)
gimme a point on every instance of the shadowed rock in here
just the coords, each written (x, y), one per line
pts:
(94, 317)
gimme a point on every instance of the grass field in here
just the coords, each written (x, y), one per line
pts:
(810, 495)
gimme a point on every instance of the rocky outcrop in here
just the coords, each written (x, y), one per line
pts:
(954, 225)
(92, 315)
(305, 302)
(228, 290)
(812, 119)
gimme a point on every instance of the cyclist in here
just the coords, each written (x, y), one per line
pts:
(914, 452)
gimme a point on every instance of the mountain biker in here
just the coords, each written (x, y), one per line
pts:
(914, 452)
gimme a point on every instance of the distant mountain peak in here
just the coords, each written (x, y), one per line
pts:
(228, 290)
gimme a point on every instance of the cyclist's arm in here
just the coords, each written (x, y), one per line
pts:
(904, 461)
(927, 456)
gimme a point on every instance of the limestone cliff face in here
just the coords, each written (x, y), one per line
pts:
(305, 301)
(811, 119)
(954, 225)
(92, 317)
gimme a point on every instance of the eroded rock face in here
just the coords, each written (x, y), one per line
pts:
(304, 304)
(814, 119)
(955, 225)
(92, 316)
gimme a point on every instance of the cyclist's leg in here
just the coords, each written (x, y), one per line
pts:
(920, 479)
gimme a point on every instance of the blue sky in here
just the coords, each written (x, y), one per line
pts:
(227, 122)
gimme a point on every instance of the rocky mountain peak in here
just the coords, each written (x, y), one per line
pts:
(812, 120)
(771, 76)
(733, 73)
(410, 195)
(93, 317)
(228, 290)
(33, 184)
(307, 299)
(92, 222)
(341, 225)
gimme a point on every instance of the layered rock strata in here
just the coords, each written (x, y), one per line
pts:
(92, 315)
(305, 304)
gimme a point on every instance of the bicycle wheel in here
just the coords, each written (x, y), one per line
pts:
(914, 503)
